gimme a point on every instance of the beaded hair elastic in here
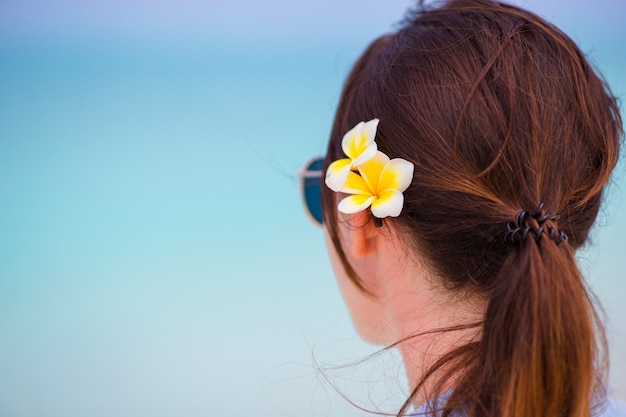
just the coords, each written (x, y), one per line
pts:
(532, 224)
(370, 176)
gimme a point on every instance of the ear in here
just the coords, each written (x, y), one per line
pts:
(362, 235)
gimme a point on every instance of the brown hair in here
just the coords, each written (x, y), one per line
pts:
(498, 110)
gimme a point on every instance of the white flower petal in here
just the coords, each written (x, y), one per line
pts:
(366, 146)
(388, 204)
(349, 139)
(369, 129)
(372, 170)
(337, 174)
(366, 154)
(397, 175)
(358, 144)
(355, 184)
(355, 203)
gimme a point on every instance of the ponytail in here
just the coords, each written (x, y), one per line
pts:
(539, 342)
(538, 355)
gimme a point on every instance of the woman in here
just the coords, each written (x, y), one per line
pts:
(466, 165)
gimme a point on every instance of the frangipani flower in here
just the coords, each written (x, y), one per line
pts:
(380, 185)
(359, 146)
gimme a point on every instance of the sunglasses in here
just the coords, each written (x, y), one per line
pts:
(310, 180)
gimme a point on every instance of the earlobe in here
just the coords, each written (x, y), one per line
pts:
(362, 235)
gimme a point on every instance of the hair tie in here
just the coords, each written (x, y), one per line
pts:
(531, 223)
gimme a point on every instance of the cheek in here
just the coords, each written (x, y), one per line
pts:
(338, 268)
(367, 312)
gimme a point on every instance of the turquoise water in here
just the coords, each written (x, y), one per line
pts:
(154, 256)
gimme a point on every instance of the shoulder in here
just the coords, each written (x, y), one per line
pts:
(613, 408)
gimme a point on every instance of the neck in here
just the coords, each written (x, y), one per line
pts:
(427, 344)
(420, 311)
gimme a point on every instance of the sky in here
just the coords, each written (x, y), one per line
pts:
(154, 255)
(265, 20)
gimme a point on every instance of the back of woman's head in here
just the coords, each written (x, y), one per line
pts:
(499, 111)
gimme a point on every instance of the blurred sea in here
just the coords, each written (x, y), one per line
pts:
(154, 256)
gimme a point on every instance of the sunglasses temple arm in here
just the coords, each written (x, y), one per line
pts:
(310, 174)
